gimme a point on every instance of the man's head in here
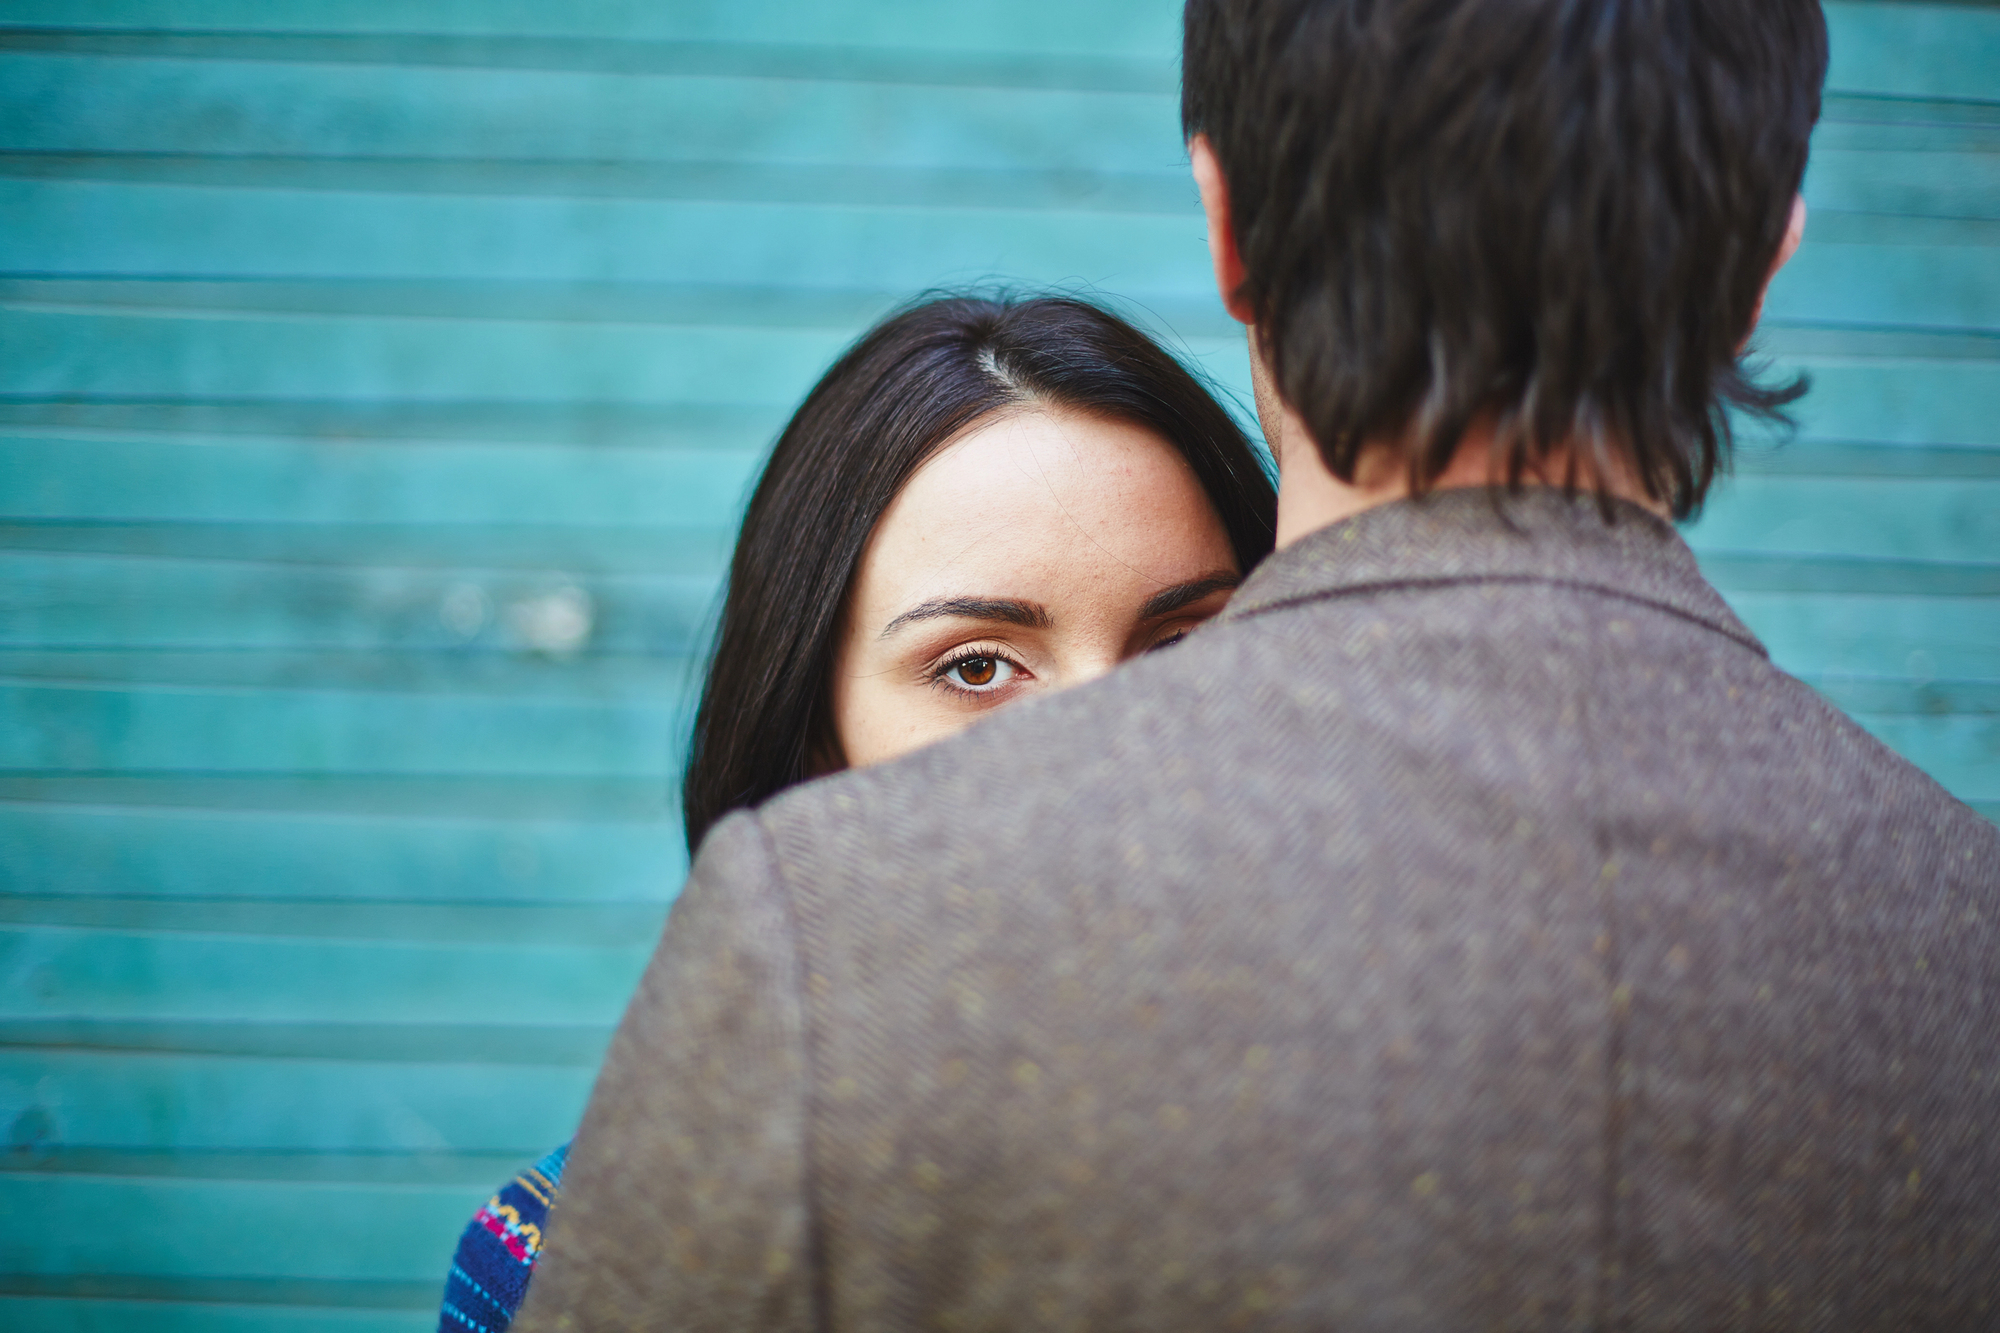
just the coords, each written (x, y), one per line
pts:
(1556, 218)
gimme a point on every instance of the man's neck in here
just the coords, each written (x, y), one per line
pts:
(1310, 497)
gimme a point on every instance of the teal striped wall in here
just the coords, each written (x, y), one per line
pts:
(378, 384)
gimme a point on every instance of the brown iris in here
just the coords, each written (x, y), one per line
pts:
(978, 670)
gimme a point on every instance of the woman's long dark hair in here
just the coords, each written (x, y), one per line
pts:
(907, 387)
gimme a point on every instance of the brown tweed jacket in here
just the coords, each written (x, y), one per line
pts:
(1470, 929)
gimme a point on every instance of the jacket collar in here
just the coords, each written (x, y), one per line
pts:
(1461, 536)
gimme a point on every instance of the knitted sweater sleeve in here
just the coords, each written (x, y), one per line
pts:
(496, 1254)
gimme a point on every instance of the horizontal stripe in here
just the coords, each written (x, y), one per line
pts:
(624, 54)
(1907, 125)
(1888, 402)
(922, 31)
(1934, 184)
(96, 728)
(744, 379)
(489, 675)
(584, 925)
(1952, 519)
(1834, 227)
(344, 867)
(359, 1294)
(716, 115)
(1739, 572)
(1930, 698)
(233, 1229)
(1926, 281)
(382, 1168)
(585, 424)
(462, 550)
(1163, 192)
(1804, 340)
(136, 1100)
(154, 354)
(1839, 106)
(293, 481)
(50, 1314)
(63, 974)
(1961, 751)
(499, 1043)
(1868, 635)
(1828, 458)
(641, 304)
(411, 795)
(79, 601)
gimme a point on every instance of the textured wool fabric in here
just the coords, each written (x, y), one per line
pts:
(1471, 929)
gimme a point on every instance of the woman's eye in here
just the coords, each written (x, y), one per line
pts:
(977, 670)
(980, 673)
(1169, 641)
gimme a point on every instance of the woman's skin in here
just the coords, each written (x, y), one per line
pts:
(1036, 551)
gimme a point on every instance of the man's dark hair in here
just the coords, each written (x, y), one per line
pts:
(1561, 213)
(906, 389)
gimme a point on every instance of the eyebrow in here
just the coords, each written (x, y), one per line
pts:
(1033, 615)
(1169, 600)
(1028, 615)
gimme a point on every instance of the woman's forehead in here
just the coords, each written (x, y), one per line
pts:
(1049, 438)
(1047, 467)
(1037, 503)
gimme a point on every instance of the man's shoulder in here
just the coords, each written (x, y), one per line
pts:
(1389, 719)
(1048, 774)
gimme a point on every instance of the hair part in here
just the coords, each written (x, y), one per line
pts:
(1556, 217)
(909, 386)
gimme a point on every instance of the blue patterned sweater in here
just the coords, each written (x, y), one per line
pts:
(496, 1255)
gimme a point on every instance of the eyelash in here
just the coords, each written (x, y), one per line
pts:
(939, 674)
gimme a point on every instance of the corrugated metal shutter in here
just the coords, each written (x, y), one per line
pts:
(378, 386)
(1867, 552)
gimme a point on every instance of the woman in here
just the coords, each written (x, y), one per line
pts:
(983, 500)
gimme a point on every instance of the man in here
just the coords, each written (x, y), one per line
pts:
(1471, 929)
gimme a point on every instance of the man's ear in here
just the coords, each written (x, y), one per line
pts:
(1795, 235)
(1222, 250)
